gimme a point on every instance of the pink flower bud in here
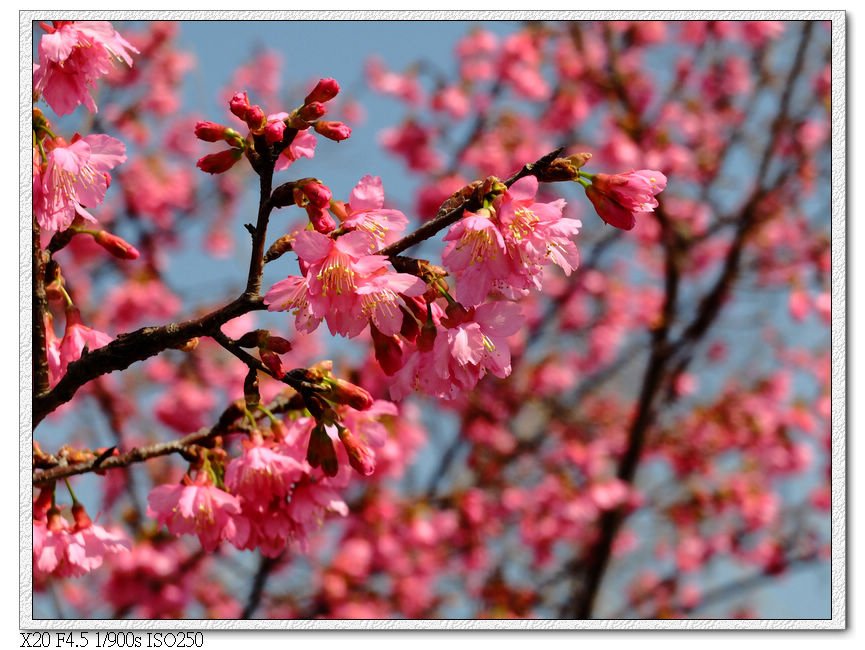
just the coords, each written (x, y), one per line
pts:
(318, 194)
(360, 457)
(239, 104)
(387, 351)
(273, 131)
(320, 219)
(115, 245)
(82, 519)
(325, 90)
(217, 163)
(354, 396)
(336, 131)
(255, 118)
(210, 131)
(271, 359)
(311, 112)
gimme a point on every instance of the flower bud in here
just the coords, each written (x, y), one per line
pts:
(309, 191)
(311, 112)
(273, 131)
(321, 452)
(210, 131)
(217, 163)
(116, 245)
(336, 131)
(239, 104)
(255, 118)
(320, 219)
(344, 392)
(82, 519)
(325, 90)
(387, 349)
(360, 457)
(271, 359)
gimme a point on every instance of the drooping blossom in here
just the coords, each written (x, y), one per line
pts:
(77, 337)
(261, 473)
(72, 57)
(195, 508)
(475, 341)
(292, 294)
(65, 550)
(379, 298)
(343, 284)
(75, 177)
(620, 198)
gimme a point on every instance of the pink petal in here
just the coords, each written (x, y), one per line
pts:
(368, 194)
(312, 246)
(524, 189)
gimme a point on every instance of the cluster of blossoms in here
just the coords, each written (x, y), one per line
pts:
(534, 468)
(281, 486)
(293, 127)
(65, 549)
(71, 177)
(343, 281)
(72, 57)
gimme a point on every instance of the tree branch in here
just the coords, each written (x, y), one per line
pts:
(139, 345)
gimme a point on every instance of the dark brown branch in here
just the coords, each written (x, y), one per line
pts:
(230, 420)
(139, 345)
(135, 455)
(40, 310)
(259, 233)
(266, 567)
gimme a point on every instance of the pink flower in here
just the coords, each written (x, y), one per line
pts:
(292, 294)
(303, 146)
(149, 581)
(477, 256)
(536, 233)
(261, 473)
(72, 57)
(75, 176)
(56, 369)
(477, 343)
(198, 508)
(379, 299)
(66, 551)
(366, 212)
(619, 198)
(76, 338)
(404, 86)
